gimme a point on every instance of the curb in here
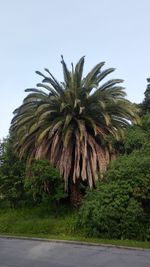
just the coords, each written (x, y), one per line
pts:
(81, 243)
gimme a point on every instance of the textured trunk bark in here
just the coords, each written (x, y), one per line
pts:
(75, 194)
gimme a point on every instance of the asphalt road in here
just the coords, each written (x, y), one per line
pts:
(29, 253)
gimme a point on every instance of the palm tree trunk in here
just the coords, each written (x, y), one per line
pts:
(75, 194)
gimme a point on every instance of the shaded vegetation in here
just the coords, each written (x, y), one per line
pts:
(120, 206)
(145, 106)
(12, 175)
(44, 183)
(40, 222)
(68, 123)
(70, 133)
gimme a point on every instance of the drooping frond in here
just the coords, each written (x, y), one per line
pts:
(69, 123)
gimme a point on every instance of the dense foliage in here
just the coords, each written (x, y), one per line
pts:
(76, 126)
(145, 106)
(12, 173)
(44, 182)
(68, 123)
(135, 138)
(120, 206)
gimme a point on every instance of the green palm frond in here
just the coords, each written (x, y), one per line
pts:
(70, 122)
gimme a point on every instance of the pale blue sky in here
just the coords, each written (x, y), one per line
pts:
(34, 33)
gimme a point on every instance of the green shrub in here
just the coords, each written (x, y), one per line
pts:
(134, 169)
(12, 175)
(44, 182)
(135, 138)
(120, 206)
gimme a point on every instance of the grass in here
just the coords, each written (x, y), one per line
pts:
(45, 223)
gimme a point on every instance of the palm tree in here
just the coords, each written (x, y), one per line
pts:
(69, 123)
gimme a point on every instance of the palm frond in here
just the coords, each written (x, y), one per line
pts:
(70, 122)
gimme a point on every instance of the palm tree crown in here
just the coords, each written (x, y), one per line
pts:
(68, 123)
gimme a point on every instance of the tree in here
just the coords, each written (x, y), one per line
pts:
(44, 183)
(120, 205)
(68, 123)
(1, 150)
(136, 137)
(146, 103)
(12, 175)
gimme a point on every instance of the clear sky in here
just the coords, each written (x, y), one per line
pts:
(34, 33)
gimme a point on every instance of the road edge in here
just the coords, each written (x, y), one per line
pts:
(73, 242)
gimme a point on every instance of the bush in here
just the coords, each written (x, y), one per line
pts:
(120, 206)
(135, 138)
(12, 174)
(44, 182)
(16, 190)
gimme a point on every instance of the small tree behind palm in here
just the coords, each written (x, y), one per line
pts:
(68, 123)
(146, 102)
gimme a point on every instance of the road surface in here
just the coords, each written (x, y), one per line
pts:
(29, 253)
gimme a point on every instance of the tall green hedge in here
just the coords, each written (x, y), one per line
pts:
(120, 206)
